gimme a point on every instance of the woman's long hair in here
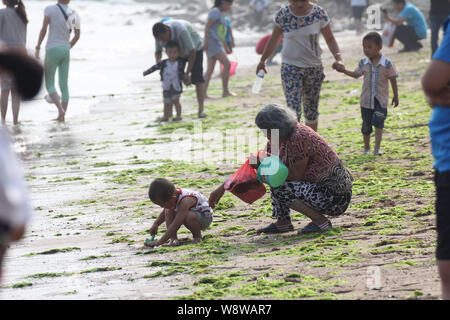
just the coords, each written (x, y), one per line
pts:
(20, 9)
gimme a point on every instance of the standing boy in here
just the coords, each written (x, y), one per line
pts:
(172, 73)
(378, 71)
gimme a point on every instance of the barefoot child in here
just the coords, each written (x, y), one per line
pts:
(172, 73)
(215, 44)
(378, 71)
(180, 207)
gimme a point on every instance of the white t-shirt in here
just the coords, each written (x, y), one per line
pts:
(59, 34)
(170, 76)
(358, 3)
(14, 203)
(301, 36)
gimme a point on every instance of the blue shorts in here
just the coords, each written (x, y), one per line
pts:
(373, 117)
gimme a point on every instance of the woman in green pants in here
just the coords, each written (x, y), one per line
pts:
(60, 20)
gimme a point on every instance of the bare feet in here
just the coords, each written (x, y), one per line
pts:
(228, 94)
(162, 119)
(177, 118)
(60, 118)
(174, 242)
(197, 240)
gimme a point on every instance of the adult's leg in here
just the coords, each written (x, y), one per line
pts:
(223, 59)
(52, 58)
(199, 81)
(315, 215)
(209, 70)
(64, 77)
(442, 182)
(311, 86)
(292, 86)
(436, 22)
(4, 103)
(15, 101)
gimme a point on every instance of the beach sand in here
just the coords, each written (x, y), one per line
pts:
(88, 181)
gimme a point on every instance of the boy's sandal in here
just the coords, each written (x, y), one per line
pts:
(313, 228)
(273, 228)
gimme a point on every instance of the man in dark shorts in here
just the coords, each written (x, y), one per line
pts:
(191, 49)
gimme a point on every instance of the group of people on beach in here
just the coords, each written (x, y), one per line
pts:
(318, 184)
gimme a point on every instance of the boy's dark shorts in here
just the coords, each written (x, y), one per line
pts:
(197, 68)
(442, 182)
(373, 117)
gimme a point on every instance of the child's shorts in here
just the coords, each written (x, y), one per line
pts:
(171, 95)
(373, 117)
(205, 219)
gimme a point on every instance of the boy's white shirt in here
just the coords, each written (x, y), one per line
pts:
(170, 76)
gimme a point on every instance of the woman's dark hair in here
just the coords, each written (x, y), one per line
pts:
(159, 28)
(218, 3)
(400, 1)
(27, 72)
(20, 9)
(374, 37)
(272, 117)
(172, 44)
(161, 190)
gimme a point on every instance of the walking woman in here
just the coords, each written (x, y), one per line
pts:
(13, 33)
(60, 20)
(300, 23)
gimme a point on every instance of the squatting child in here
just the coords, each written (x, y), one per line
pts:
(378, 71)
(172, 73)
(180, 207)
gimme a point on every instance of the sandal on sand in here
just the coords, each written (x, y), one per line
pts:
(313, 228)
(273, 228)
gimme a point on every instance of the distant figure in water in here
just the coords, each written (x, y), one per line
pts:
(180, 207)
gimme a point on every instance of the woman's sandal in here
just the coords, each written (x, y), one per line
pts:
(273, 228)
(313, 228)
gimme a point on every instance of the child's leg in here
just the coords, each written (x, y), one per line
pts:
(366, 138)
(177, 104)
(15, 105)
(378, 137)
(366, 128)
(191, 222)
(170, 216)
(222, 57)
(4, 103)
(168, 110)
(209, 72)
